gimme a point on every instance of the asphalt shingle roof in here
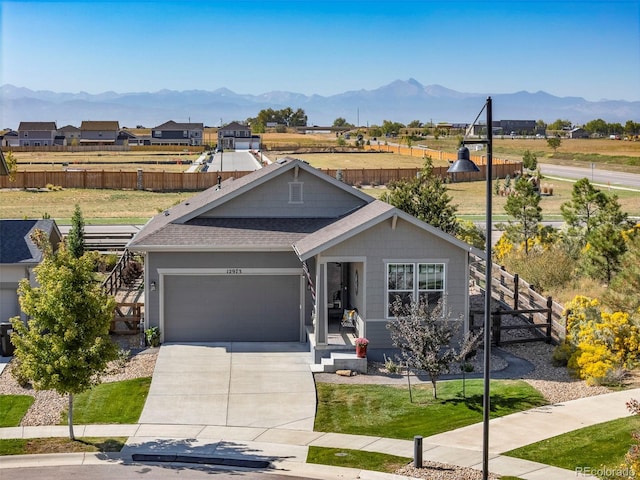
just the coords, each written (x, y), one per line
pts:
(237, 232)
(15, 242)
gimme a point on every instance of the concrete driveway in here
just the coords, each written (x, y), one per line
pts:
(232, 384)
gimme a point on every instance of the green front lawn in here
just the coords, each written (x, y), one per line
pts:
(343, 457)
(117, 402)
(386, 411)
(604, 444)
(13, 408)
(29, 446)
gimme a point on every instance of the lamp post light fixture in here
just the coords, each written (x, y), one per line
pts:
(464, 164)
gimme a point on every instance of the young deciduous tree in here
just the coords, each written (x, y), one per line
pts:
(554, 143)
(12, 165)
(524, 206)
(425, 197)
(65, 345)
(425, 336)
(75, 238)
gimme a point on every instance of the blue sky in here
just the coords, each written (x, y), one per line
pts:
(588, 48)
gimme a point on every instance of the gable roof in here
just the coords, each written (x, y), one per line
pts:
(17, 246)
(171, 125)
(37, 126)
(69, 128)
(213, 197)
(99, 125)
(361, 220)
(235, 126)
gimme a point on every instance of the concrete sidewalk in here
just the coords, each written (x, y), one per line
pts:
(286, 449)
(284, 442)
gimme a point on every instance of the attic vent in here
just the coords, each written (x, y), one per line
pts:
(295, 192)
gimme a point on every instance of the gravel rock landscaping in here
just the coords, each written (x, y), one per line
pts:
(49, 405)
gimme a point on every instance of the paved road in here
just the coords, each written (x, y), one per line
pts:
(138, 471)
(598, 176)
(241, 161)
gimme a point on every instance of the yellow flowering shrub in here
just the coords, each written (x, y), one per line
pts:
(604, 341)
(502, 248)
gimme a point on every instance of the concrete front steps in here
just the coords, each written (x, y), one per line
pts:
(340, 361)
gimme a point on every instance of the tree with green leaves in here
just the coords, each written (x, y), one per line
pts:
(425, 197)
(12, 165)
(596, 224)
(554, 143)
(589, 208)
(524, 206)
(75, 237)
(529, 160)
(342, 122)
(603, 253)
(65, 344)
(623, 294)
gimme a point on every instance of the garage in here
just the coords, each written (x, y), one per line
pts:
(239, 306)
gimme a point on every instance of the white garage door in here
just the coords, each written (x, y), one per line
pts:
(231, 308)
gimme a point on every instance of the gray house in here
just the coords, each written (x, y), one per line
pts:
(236, 136)
(99, 132)
(172, 133)
(18, 256)
(71, 135)
(37, 134)
(281, 253)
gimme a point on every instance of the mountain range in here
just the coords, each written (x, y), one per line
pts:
(400, 101)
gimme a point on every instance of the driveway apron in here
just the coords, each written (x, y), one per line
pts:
(267, 385)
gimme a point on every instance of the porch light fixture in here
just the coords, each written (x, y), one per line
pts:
(464, 164)
(153, 286)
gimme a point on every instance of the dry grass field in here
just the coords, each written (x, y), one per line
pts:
(108, 161)
(103, 206)
(98, 206)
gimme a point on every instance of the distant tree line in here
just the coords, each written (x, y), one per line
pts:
(288, 117)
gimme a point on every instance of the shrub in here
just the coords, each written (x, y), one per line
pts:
(131, 272)
(561, 354)
(605, 343)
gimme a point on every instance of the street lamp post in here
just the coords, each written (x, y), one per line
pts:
(464, 164)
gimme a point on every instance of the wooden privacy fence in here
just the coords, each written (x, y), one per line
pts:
(539, 314)
(196, 181)
(424, 152)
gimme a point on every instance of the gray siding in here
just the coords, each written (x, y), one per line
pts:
(320, 199)
(407, 242)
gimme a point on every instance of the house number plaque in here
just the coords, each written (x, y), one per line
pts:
(234, 271)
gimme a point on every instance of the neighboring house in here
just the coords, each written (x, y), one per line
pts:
(235, 136)
(99, 132)
(172, 133)
(578, 133)
(37, 134)
(10, 138)
(278, 254)
(18, 256)
(125, 137)
(71, 135)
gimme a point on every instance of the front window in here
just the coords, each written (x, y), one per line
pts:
(414, 281)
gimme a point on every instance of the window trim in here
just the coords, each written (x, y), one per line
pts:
(296, 195)
(416, 290)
